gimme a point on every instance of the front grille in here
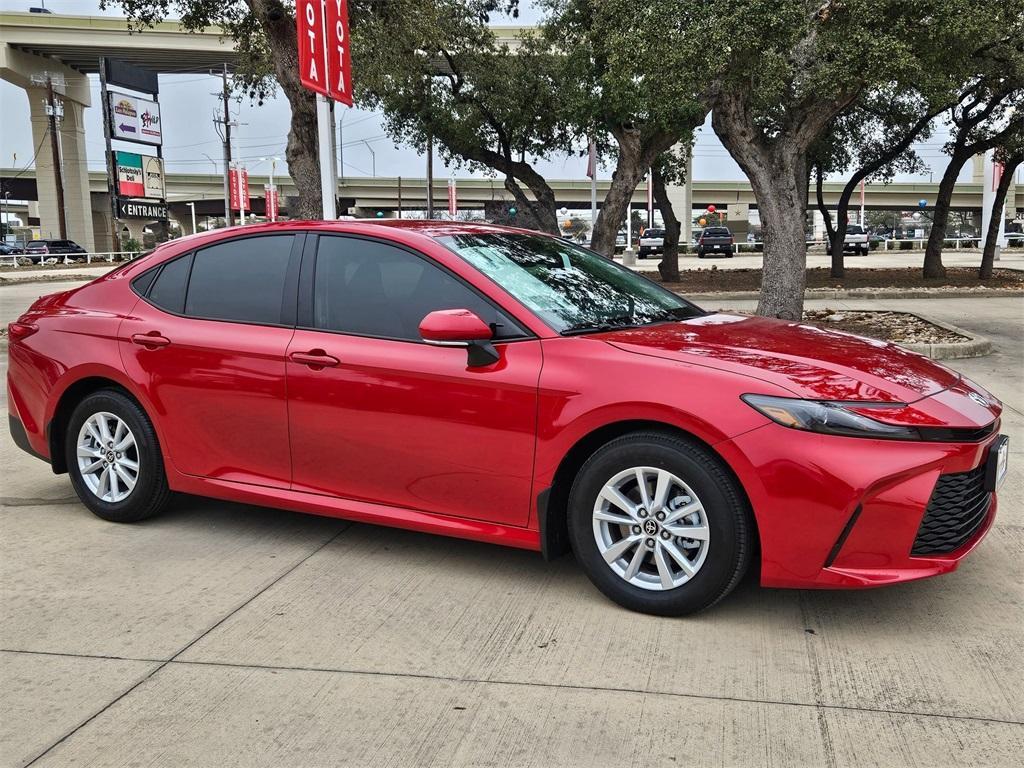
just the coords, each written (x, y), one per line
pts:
(956, 510)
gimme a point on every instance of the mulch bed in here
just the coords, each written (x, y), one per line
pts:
(898, 327)
(711, 279)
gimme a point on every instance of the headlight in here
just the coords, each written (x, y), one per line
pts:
(828, 418)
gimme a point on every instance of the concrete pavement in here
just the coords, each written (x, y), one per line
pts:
(221, 634)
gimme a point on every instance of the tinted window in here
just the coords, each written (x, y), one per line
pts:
(374, 289)
(717, 231)
(169, 289)
(142, 282)
(241, 280)
(854, 229)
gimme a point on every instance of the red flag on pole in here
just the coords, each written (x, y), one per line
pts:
(453, 197)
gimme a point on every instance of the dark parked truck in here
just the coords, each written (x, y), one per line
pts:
(715, 241)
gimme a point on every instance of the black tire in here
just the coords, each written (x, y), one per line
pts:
(150, 495)
(731, 540)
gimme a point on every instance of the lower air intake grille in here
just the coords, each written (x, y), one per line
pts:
(958, 507)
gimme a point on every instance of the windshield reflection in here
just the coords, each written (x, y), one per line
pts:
(572, 289)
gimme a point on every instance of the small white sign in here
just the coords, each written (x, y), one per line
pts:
(134, 119)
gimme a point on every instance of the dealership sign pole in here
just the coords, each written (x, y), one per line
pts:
(135, 181)
(325, 67)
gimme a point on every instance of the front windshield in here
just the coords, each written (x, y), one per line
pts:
(572, 289)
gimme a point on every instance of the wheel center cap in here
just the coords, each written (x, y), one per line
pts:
(650, 527)
(110, 456)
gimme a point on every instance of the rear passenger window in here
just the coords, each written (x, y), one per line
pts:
(241, 280)
(168, 291)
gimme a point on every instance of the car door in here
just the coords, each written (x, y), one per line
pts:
(377, 415)
(208, 342)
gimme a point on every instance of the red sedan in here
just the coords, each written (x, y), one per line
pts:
(510, 387)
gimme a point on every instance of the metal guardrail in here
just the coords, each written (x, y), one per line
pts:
(59, 259)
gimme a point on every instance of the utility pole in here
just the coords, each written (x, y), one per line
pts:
(52, 107)
(226, 137)
(112, 178)
(430, 176)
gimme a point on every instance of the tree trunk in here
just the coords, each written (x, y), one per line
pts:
(636, 155)
(988, 255)
(933, 267)
(830, 229)
(778, 176)
(301, 151)
(669, 266)
(782, 201)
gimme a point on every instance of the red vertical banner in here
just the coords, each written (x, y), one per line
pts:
(270, 195)
(313, 70)
(453, 198)
(339, 57)
(239, 189)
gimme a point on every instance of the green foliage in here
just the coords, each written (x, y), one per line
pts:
(645, 66)
(436, 67)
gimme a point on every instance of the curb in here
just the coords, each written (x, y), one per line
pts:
(976, 346)
(867, 293)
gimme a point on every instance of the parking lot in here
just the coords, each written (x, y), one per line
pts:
(221, 634)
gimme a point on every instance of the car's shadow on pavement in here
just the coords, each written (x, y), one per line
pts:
(915, 606)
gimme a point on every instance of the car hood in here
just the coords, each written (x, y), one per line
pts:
(809, 361)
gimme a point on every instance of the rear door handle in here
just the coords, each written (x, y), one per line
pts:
(315, 358)
(152, 339)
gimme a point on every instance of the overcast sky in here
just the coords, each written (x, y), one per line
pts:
(191, 143)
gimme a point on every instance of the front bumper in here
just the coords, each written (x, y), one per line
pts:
(835, 512)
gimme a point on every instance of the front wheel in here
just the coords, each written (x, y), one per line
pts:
(659, 525)
(114, 458)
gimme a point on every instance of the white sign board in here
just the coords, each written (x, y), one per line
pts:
(153, 176)
(134, 119)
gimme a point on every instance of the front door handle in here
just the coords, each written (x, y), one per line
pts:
(151, 340)
(315, 358)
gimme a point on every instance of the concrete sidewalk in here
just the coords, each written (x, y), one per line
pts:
(227, 635)
(816, 257)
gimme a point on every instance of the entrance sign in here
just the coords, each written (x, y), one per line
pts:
(134, 119)
(140, 209)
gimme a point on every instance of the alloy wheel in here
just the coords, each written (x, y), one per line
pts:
(651, 528)
(108, 457)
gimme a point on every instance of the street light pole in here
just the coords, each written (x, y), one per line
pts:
(193, 207)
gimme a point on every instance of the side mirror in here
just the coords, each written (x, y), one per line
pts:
(460, 328)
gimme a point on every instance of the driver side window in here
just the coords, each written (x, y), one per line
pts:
(369, 288)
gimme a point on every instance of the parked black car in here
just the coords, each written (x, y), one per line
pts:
(715, 241)
(42, 248)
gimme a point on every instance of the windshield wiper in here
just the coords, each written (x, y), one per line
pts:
(607, 324)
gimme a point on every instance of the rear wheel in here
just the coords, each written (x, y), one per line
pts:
(659, 525)
(114, 459)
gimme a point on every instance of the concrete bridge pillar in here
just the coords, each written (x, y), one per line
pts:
(75, 169)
